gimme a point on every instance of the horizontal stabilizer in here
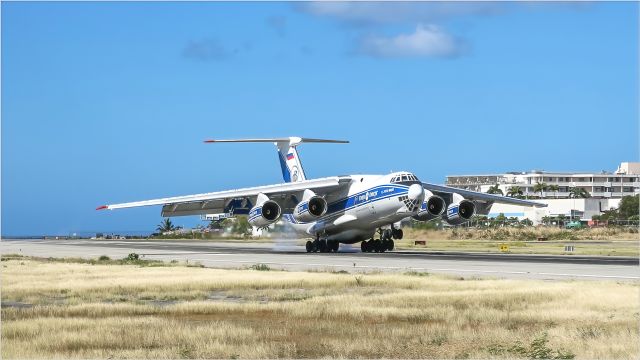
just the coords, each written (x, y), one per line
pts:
(291, 140)
(292, 170)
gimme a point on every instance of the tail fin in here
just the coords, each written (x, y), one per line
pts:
(292, 170)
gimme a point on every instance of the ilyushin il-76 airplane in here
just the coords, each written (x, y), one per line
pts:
(337, 209)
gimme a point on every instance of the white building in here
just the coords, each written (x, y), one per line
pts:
(584, 209)
(605, 189)
(622, 182)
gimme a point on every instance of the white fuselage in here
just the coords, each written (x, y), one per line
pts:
(368, 203)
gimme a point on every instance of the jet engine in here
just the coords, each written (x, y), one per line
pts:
(265, 212)
(310, 208)
(432, 207)
(459, 212)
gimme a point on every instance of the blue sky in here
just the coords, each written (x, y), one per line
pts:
(110, 102)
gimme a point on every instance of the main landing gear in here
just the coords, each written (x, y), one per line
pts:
(322, 245)
(385, 243)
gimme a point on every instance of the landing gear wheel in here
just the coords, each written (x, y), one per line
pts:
(323, 246)
(386, 235)
(336, 246)
(397, 234)
(391, 245)
(364, 246)
(377, 246)
(309, 246)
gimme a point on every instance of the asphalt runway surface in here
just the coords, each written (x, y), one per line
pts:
(285, 254)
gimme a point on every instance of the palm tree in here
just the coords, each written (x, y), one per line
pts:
(165, 226)
(514, 191)
(541, 187)
(495, 189)
(555, 189)
(576, 192)
(561, 219)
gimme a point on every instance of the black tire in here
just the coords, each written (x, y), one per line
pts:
(369, 246)
(309, 246)
(363, 246)
(386, 235)
(397, 234)
(391, 245)
(377, 245)
(336, 246)
(323, 246)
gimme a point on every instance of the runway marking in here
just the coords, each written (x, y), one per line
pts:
(432, 269)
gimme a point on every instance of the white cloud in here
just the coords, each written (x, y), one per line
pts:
(426, 41)
(399, 12)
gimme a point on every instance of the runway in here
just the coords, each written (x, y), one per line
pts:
(284, 254)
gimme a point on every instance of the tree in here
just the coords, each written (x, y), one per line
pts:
(238, 225)
(526, 222)
(500, 219)
(165, 226)
(576, 192)
(611, 214)
(546, 220)
(514, 191)
(541, 187)
(242, 226)
(555, 189)
(561, 219)
(216, 224)
(629, 206)
(495, 189)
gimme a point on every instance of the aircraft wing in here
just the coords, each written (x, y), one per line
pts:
(237, 201)
(483, 198)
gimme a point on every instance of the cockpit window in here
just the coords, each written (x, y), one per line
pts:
(404, 178)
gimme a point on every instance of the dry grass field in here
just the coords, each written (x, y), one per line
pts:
(612, 241)
(56, 309)
(599, 241)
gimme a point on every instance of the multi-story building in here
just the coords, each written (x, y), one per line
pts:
(624, 181)
(605, 190)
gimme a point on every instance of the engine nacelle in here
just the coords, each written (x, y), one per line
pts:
(459, 212)
(310, 208)
(266, 212)
(432, 207)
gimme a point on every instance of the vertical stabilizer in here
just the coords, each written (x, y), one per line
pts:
(290, 164)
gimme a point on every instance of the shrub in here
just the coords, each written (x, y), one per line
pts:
(538, 349)
(260, 267)
(133, 257)
(104, 258)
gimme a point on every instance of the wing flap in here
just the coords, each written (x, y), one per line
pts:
(194, 208)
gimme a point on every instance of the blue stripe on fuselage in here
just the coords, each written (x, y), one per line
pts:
(368, 196)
